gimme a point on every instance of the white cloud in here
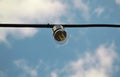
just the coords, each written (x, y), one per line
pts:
(99, 63)
(16, 11)
(32, 72)
(54, 74)
(117, 2)
(95, 64)
(83, 7)
(18, 33)
(99, 11)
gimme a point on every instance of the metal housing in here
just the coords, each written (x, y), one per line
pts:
(59, 33)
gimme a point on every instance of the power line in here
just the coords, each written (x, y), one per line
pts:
(64, 25)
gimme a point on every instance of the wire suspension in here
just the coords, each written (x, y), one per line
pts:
(64, 25)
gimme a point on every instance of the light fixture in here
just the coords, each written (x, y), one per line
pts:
(59, 33)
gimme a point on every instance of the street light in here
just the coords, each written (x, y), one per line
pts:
(59, 33)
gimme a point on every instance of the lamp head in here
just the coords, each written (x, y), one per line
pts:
(59, 33)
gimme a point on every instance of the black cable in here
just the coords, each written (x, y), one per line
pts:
(64, 25)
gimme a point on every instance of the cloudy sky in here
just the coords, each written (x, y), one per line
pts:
(33, 52)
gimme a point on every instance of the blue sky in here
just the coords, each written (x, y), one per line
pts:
(33, 52)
